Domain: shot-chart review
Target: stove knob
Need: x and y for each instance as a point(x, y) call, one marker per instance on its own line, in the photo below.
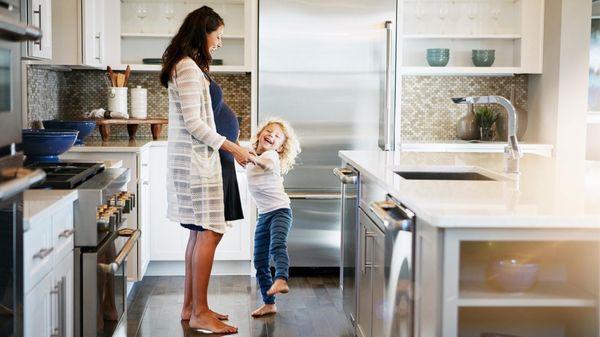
point(103, 225)
point(128, 206)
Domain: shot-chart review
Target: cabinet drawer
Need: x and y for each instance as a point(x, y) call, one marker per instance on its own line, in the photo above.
point(37, 252)
point(62, 232)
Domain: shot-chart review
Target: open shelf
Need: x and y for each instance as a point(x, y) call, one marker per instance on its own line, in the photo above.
point(481, 71)
point(461, 37)
point(168, 36)
point(544, 294)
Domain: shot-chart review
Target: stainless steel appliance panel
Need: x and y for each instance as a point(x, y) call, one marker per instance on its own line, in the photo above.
point(349, 180)
point(322, 67)
point(314, 240)
point(103, 288)
point(397, 305)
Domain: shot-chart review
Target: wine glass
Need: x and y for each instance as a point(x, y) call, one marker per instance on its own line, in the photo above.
point(141, 11)
point(443, 14)
point(169, 12)
point(472, 14)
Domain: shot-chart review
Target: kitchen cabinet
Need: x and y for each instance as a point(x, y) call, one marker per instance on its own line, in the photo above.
point(38, 309)
point(48, 269)
point(514, 29)
point(371, 280)
point(94, 36)
point(169, 239)
point(82, 31)
point(39, 14)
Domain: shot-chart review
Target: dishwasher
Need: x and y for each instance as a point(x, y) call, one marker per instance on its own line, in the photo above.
point(386, 304)
point(349, 179)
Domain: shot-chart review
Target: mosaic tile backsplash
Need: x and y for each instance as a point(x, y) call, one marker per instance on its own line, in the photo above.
point(428, 114)
point(69, 94)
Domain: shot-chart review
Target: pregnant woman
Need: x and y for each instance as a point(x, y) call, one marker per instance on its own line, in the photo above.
point(195, 183)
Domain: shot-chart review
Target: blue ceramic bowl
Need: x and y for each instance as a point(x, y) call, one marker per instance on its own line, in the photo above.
point(43, 145)
point(85, 128)
point(483, 57)
point(438, 57)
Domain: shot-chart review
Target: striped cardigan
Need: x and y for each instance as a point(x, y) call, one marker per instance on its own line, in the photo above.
point(194, 181)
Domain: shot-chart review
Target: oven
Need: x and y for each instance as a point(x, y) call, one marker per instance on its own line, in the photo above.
point(12, 32)
point(104, 301)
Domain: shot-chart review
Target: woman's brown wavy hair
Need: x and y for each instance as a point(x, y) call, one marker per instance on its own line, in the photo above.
point(190, 41)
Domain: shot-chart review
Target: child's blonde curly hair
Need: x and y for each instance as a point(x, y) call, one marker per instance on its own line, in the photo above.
point(291, 145)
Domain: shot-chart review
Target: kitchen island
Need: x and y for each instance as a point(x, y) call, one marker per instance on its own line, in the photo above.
point(549, 215)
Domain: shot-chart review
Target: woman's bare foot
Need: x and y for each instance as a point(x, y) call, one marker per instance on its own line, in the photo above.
point(280, 286)
point(208, 323)
point(265, 309)
point(186, 313)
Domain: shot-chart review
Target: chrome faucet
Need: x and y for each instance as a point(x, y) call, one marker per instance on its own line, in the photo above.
point(512, 150)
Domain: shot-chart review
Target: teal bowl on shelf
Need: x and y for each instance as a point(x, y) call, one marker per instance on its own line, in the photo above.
point(438, 57)
point(483, 57)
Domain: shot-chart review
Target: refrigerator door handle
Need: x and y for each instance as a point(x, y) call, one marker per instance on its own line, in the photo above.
point(346, 175)
point(313, 196)
point(388, 118)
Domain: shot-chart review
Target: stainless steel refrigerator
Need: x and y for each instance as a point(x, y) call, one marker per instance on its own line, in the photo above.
point(328, 68)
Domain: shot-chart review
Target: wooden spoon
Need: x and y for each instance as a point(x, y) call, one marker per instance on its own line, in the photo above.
point(127, 74)
point(120, 80)
point(111, 74)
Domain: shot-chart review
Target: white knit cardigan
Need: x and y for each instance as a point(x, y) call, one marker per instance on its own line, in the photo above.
point(194, 181)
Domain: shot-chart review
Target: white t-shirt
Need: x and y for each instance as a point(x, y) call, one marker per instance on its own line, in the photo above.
point(266, 186)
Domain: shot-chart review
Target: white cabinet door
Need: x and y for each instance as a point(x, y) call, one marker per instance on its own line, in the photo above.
point(168, 239)
point(63, 301)
point(93, 32)
point(235, 244)
point(144, 225)
point(38, 308)
point(41, 17)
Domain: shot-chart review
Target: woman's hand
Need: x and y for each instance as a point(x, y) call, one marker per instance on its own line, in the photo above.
point(242, 155)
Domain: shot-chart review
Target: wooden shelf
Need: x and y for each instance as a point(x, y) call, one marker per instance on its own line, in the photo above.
point(157, 68)
point(461, 37)
point(476, 71)
point(168, 36)
point(477, 294)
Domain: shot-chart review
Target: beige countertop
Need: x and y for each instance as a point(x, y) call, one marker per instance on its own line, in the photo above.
point(549, 193)
point(38, 203)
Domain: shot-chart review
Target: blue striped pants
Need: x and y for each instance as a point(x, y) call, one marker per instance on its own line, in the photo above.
point(270, 239)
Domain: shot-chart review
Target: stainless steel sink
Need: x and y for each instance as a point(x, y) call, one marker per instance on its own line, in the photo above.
point(438, 175)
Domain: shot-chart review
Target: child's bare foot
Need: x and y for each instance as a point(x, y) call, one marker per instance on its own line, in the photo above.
point(280, 286)
point(206, 322)
point(265, 309)
point(186, 313)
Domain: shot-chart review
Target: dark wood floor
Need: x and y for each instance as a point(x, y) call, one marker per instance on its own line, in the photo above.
point(313, 308)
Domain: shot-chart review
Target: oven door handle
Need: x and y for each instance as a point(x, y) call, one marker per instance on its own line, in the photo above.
point(16, 31)
point(133, 237)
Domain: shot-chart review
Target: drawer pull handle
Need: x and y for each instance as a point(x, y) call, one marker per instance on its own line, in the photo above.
point(66, 233)
point(43, 253)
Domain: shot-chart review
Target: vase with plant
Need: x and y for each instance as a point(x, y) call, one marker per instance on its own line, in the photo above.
point(486, 117)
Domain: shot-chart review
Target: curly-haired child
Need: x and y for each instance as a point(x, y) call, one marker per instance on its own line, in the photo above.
point(276, 146)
